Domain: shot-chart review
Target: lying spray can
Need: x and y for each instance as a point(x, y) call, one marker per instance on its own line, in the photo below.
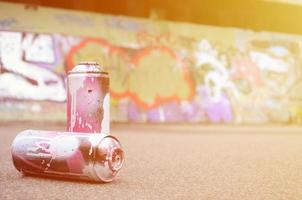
point(93, 157)
point(88, 99)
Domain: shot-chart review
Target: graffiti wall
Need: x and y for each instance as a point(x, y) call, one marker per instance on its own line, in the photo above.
point(159, 71)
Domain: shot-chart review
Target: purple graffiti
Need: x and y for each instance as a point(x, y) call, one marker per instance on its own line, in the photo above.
point(133, 112)
point(216, 111)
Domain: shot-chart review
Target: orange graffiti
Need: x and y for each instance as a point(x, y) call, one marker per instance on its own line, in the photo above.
point(73, 55)
point(143, 75)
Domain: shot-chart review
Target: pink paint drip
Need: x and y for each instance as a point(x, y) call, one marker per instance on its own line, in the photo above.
point(86, 104)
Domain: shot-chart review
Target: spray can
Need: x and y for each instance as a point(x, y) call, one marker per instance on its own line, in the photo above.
point(88, 99)
point(81, 156)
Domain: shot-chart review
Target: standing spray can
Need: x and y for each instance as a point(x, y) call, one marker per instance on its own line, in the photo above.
point(81, 156)
point(88, 99)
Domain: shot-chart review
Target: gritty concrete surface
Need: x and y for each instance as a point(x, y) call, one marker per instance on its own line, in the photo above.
point(177, 162)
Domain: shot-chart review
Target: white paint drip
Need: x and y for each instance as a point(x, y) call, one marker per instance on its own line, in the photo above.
point(88, 125)
point(63, 146)
point(106, 115)
point(80, 120)
point(74, 86)
point(94, 139)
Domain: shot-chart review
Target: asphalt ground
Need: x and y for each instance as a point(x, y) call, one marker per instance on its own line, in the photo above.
point(176, 162)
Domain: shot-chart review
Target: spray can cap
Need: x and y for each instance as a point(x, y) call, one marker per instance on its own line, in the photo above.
point(87, 67)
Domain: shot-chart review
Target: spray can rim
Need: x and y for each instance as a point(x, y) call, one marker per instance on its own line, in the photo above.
point(88, 67)
point(110, 149)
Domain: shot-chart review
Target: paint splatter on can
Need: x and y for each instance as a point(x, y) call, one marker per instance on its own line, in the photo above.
point(88, 99)
point(93, 157)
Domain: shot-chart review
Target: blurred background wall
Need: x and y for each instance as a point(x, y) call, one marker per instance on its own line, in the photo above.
point(160, 70)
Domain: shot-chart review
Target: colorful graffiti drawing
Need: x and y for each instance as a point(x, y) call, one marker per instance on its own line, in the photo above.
point(154, 76)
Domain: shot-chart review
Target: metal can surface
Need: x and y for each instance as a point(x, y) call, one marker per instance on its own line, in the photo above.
point(93, 157)
point(88, 99)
